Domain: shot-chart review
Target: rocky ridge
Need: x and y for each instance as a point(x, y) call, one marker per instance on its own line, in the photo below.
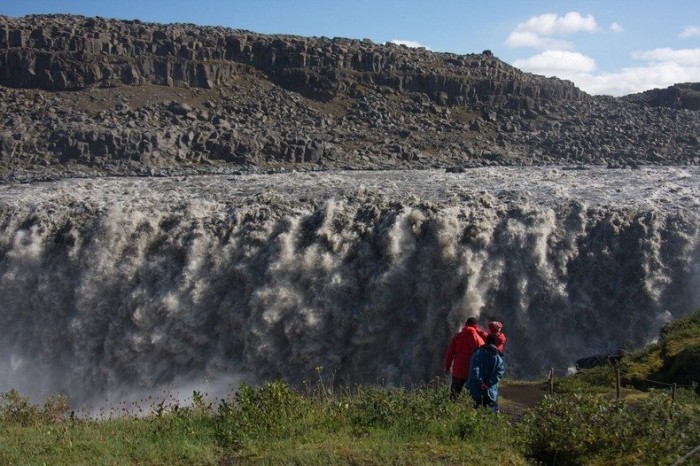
point(93, 96)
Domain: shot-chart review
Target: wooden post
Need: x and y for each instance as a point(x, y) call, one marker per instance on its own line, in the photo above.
point(617, 383)
point(673, 398)
point(551, 381)
point(673, 393)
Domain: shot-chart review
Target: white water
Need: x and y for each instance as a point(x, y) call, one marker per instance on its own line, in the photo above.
point(111, 288)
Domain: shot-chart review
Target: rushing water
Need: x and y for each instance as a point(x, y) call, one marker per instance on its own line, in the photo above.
point(113, 287)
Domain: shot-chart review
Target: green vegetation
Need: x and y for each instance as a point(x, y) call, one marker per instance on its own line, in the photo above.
point(583, 422)
point(591, 430)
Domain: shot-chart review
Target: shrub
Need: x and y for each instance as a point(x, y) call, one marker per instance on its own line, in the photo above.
point(563, 429)
point(18, 410)
point(578, 429)
point(55, 408)
point(594, 380)
point(409, 411)
point(664, 428)
point(271, 411)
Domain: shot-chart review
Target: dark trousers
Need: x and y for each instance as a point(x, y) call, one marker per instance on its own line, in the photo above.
point(486, 402)
point(456, 387)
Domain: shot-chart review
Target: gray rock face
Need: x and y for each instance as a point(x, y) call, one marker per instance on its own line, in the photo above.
point(681, 96)
point(90, 95)
point(68, 52)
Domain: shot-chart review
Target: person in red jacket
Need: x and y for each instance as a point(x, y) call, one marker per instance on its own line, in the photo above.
point(459, 354)
point(496, 328)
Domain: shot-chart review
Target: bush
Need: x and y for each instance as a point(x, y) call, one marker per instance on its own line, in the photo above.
point(578, 429)
point(598, 379)
point(408, 410)
point(18, 410)
point(271, 411)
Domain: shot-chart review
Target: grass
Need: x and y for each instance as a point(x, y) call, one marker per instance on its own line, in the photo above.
point(272, 424)
point(121, 441)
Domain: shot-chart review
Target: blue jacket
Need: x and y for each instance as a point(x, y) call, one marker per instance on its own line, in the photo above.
point(486, 367)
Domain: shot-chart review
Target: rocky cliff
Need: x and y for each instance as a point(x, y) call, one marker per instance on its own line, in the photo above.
point(92, 95)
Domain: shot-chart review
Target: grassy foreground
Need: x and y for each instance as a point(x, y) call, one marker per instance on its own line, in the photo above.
point(583, 422)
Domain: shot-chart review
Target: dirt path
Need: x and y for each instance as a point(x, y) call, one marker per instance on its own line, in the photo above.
point(517, 397)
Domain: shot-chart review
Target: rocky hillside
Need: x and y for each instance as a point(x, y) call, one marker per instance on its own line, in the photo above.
point(91, 96)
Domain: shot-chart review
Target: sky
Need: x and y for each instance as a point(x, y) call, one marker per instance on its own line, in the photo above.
point(610, 47)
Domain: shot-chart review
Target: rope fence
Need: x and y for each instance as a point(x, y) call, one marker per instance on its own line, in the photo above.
point(618, 386)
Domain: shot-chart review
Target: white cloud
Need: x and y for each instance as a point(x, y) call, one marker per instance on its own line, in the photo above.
point(541, 31)
point(658, 68)
point(689, 57)
point(661, 68)
point(550, 24)
point(409, 43)
point(690, 31)
point(636, 79)
point(615, 27)
point(518, 39)
point(557, 62)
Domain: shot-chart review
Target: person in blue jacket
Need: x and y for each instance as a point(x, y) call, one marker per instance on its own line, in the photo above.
point(487, 369)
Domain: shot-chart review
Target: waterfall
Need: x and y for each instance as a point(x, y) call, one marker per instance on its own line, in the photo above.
point(110, 287)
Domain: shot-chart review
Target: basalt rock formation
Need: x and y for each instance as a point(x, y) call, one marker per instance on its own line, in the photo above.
point(680, 96)
point(91, 96)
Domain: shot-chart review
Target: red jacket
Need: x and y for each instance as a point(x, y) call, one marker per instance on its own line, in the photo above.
point(460, 351)
point(501, 341)
point(500, 338)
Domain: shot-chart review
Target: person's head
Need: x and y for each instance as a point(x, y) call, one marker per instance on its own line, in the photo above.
point(491, 339)
point(472, 322)
point(495, 326)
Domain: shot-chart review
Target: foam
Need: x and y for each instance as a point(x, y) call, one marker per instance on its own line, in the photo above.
point(120, 287)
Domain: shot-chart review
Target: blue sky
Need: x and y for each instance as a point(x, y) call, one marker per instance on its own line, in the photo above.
point(611, 47)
